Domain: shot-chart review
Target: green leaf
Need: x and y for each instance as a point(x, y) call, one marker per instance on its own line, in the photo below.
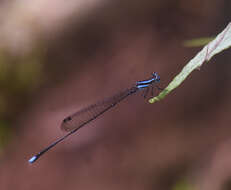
point(182, 185)
point(220, 43)
point(198, 42)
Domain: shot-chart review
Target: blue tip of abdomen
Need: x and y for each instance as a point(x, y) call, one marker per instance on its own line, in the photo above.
point(33, 159)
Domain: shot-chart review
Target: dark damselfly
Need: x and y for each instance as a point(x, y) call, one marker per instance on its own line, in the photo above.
point(80, 118)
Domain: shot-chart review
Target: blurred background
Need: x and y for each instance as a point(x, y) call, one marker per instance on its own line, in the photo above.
point(58, 56)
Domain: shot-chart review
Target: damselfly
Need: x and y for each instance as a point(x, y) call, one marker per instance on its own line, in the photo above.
point(80, 118)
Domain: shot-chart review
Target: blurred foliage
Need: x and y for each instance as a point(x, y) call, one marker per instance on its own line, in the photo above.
point(20, 75)
point(197, 42)
point(5, 133)
point(182, 185)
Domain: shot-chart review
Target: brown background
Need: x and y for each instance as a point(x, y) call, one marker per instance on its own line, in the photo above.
point(58, 56)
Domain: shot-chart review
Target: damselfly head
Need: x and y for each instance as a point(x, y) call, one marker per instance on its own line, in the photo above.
point(156, 76)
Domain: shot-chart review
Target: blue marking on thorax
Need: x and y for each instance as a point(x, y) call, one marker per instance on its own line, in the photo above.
point(139, 86)
point(149, 81)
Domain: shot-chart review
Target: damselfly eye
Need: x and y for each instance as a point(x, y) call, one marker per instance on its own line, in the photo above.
point(156, 76)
